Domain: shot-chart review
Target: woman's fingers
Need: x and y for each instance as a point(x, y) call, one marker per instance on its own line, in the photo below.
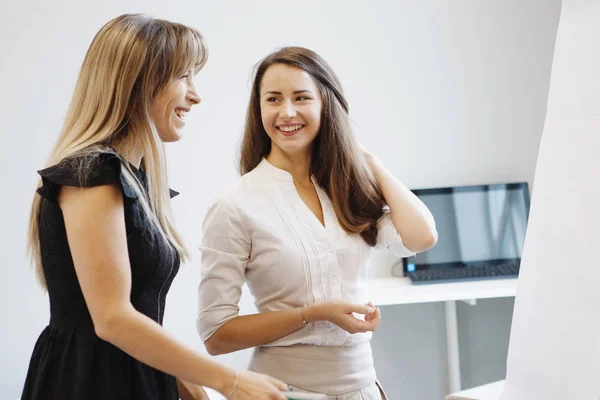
point(360, 309)
point(252, 385)
point(355, 325)
point(277, 383)
point(342, 314)
point(375, 310)
point(374, 318)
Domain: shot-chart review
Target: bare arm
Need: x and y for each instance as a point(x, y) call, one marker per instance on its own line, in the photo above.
point(248, 331)
point(95, 225)
point(411, 218)
point(253, 330)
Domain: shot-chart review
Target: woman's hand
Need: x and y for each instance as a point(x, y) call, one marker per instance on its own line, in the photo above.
point(375, 317)
point(254, 386)
point(341, 313)
point(190, 391)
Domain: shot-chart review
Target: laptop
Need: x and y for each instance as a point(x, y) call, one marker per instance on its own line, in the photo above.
point(481, 232)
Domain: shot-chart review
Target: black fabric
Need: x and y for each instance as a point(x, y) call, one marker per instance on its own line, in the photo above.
point(69, 361)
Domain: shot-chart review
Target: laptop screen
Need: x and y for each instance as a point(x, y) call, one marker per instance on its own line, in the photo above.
point(475, 223)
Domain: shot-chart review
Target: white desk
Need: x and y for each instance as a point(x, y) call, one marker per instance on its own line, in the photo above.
point(491, 391)
point(395, 290)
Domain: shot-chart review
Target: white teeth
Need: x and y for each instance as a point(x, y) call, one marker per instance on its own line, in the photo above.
point(180, 113)
point(290, 128)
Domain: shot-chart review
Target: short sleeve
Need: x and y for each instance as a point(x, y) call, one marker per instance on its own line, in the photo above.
point(388, 237)
point(225, 252)
point(84, 171)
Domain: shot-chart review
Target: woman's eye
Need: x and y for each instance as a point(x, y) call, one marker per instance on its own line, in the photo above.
point(302, 98)
point(272, 99)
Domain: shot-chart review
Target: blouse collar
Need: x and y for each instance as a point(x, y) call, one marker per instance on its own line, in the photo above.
point(275, 172)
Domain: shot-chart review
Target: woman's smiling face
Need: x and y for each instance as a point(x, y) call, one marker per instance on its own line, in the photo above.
point(290, 106)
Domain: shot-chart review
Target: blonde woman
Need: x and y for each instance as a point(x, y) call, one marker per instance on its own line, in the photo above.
point(102, 234)
point(298, 228)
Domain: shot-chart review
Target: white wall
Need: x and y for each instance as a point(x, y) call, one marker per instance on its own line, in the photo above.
point(443, 92)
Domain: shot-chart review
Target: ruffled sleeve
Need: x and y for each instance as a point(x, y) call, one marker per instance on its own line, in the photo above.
point(85, 171)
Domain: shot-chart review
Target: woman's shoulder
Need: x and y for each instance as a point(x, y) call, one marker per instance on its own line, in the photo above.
point(242, 194)
point(234, 195)
point(87, 164)
point(93, 166)
point(250, 183)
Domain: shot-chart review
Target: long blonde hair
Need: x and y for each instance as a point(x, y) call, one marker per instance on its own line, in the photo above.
point(337, 163)
point(131, 59)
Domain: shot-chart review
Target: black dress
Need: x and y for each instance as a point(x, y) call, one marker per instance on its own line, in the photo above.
point(69, 361)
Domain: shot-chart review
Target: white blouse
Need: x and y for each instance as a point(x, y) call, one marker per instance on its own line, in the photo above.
point(261, 232)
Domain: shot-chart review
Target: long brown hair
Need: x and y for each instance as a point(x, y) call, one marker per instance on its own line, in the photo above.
point(131, 59)
point(338, 163)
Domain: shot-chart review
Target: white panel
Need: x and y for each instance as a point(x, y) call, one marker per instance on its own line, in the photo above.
point(555, 341)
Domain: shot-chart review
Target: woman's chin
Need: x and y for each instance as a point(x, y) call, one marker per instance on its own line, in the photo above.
point(294, 148)
point(171, 137)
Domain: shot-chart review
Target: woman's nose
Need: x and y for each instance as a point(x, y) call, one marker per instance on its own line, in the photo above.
point(192, 94)
point(288, 111)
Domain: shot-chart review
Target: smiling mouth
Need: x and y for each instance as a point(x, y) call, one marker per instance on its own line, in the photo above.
point(181, 113)
point(289, 129)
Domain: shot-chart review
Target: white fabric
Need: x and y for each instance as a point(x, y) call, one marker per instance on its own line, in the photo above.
point(262, 233)
point(334, 371)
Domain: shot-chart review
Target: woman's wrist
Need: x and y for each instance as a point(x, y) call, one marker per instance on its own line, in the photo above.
point(313, 313)
point(234, 387)
point(227, 382)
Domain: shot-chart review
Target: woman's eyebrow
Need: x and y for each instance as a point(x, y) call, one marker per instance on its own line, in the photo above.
point(294, 92)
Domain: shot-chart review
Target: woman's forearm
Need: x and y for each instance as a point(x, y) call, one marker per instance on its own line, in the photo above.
point(411, 218)
point(148, 342)
point(248, 331)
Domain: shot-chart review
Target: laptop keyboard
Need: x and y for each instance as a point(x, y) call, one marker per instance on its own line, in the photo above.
point(470, 272)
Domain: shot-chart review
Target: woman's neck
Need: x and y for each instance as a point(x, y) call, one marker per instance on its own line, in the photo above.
point(130, 150)
point(298, 164)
